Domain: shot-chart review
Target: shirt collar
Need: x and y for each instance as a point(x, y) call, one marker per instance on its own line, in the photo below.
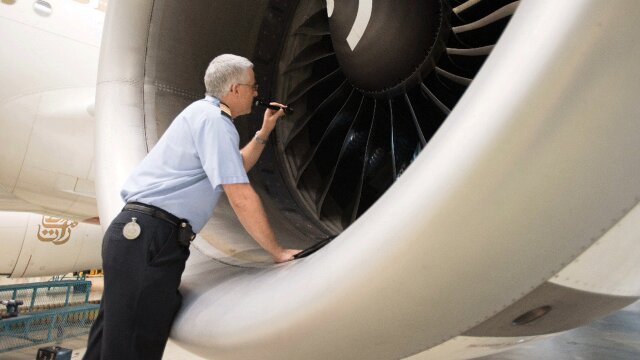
point(212, 99)
point(224, 109)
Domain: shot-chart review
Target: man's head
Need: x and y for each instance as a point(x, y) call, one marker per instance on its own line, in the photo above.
point(230, 78)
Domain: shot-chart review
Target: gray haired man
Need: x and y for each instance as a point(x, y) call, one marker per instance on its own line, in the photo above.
point(169, 197)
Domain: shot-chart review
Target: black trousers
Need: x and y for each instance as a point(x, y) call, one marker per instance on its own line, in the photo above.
point(141, 297)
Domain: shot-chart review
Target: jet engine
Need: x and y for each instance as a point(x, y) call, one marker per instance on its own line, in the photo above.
point(477, 160)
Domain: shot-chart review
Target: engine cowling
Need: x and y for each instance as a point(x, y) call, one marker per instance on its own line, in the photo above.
point(528, 170)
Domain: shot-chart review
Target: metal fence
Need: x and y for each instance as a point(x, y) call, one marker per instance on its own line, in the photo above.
point(46, 326)
point(41, 296)
point(51, 311)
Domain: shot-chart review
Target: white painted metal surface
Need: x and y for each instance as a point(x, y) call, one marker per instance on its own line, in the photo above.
point(609, 266)
point(39, 245)
point(47, 77)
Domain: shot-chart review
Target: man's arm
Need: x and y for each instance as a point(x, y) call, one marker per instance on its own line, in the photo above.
point(248, 207)
point(252, 151)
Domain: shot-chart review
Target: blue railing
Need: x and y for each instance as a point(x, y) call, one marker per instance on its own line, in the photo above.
point(40, 295)
point(50, 311)
point(46, 326)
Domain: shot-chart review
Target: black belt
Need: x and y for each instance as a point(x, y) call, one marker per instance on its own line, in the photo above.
point(185, 233)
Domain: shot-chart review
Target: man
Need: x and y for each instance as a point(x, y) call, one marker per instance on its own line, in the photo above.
point(170, 196)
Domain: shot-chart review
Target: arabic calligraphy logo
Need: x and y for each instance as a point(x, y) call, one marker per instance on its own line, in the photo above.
point(55, 229)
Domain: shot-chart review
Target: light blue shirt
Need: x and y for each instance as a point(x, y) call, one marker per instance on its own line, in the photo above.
point(184, 172)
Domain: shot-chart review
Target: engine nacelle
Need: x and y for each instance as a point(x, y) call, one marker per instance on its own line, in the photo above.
point(484, 212)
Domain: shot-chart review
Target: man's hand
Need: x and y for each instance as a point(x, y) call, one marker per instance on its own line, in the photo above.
point(270, 119)
point(251, 152)
point(285, 255)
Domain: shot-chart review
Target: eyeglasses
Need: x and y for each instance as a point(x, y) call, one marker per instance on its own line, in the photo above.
point(254, 86)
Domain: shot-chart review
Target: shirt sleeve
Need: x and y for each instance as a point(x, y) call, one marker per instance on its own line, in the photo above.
point(217, 143)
